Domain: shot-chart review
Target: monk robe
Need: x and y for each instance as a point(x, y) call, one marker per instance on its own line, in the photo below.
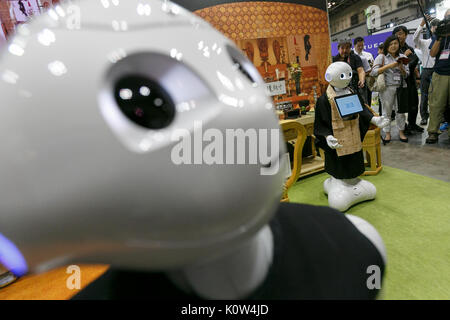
point(340, 167)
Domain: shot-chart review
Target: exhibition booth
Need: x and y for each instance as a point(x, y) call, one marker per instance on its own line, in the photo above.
point(390, 217)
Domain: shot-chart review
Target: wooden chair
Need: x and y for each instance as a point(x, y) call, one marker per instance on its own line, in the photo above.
point(372, 149)
point(292, 130)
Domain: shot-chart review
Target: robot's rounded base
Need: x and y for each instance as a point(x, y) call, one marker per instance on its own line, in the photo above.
point(342, 194)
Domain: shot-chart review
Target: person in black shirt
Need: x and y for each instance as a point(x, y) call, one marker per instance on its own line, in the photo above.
point(359, 76)
point(318, 253)
point(413, 98)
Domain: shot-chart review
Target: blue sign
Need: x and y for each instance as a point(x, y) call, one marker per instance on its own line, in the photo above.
point(371, 43)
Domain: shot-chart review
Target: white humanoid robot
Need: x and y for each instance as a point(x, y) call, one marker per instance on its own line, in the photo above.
point(344, 188)
point(91, 168)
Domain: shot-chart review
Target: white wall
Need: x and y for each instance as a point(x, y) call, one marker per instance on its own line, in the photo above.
point(441, 8)
point(411, 25)
point(389, 10)
point(361, 29)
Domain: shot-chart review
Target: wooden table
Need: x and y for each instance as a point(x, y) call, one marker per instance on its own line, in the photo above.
point(295, 99)
point(51, 285)
point(313, 163)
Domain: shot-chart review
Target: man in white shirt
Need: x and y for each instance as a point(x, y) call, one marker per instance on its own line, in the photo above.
point(428, 66)
point(367, 60)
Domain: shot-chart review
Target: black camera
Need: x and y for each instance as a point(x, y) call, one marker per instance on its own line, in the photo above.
point(144, 102)
point(443, 28)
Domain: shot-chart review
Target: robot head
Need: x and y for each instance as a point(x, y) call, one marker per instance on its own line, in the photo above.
point(134, 135)
point(339, 74)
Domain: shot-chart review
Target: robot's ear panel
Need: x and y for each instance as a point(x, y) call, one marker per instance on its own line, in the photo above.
point(328, 77)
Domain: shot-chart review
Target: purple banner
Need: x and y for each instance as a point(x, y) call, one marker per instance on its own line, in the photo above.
point(371, 43)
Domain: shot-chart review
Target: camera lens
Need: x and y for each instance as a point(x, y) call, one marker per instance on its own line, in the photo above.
point(144, 102)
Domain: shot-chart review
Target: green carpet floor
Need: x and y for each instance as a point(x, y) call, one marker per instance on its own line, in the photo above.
point(412, 214)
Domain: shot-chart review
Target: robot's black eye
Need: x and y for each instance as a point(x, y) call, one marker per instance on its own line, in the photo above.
point(342, 75)
point(350, 74)
point(144, 102)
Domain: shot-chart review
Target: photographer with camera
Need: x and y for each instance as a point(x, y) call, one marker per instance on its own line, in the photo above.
point(428, 67)
point(440, 84)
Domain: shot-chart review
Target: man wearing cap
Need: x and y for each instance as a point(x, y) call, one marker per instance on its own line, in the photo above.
point(359, 76)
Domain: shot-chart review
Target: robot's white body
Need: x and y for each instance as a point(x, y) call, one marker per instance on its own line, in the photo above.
point(83, 182)
point(343, 193)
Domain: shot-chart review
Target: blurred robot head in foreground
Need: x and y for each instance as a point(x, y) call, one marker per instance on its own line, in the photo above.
point(134, 135)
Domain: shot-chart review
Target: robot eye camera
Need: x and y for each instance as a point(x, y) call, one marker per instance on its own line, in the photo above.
point(144, 102)
point(110, 152)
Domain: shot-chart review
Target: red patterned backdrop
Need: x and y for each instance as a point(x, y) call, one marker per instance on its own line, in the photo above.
point(285, 23)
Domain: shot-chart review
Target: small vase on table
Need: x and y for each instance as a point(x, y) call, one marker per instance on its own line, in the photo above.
point(297, 85)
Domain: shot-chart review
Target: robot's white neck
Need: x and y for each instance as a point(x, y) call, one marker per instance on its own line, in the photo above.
point(341, 91)
point(234, 275)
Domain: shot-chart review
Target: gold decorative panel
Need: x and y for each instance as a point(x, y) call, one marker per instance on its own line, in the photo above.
point(282, 24)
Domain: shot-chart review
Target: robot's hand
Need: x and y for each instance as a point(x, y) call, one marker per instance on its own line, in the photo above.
point(333, 143)
point(380, 122)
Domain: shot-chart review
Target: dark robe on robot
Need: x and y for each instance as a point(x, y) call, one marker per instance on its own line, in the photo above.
point(345, 167)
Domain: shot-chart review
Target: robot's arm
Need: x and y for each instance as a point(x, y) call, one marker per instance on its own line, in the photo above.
point(367, 114)
point(371, 116)
point(333, 143)
point(380, 122)
point(322, 121)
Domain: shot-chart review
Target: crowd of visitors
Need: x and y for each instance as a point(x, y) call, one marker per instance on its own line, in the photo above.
point(404, 74)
